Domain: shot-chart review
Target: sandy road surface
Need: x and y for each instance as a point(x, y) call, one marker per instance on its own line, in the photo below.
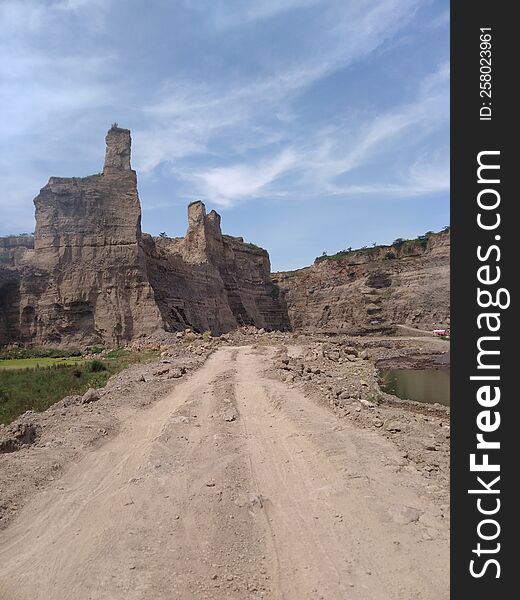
point(233, 486)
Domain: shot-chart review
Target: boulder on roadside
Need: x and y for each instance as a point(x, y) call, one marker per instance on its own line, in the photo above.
point(393, 425)
point(69, 401)
point(367, 403)
point(91, 395)
point(176, 372)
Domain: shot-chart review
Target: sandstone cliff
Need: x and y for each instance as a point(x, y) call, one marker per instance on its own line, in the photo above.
point(86, 279)
point(12, 252)
point(91, 276)
point(212, 281)
point(372, 289)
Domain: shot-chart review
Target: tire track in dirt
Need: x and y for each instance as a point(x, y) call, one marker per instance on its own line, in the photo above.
point(334, 501)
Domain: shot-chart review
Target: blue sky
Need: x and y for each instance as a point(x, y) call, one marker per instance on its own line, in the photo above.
point(310, 125)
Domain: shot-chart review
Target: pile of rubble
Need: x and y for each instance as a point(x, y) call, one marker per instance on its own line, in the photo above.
point(346, 378)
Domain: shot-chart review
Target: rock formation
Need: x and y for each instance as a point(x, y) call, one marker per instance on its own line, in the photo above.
point(212, 281)
point(91, 276)
point(372, 289)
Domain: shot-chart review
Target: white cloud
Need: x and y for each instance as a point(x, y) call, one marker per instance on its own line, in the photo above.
point(389, 132)
point(182, 121)
point(29, 102)
point(428, 174)
point(192, 115)
point(39, 84)
point(431, 173)
point(46, 97)
point(227, 185)
point(76, 5)
point(19, 18)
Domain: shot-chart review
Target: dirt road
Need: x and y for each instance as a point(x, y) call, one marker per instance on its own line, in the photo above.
point(233, 486)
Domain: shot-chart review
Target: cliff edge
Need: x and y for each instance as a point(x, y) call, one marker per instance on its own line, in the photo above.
point(372, 289)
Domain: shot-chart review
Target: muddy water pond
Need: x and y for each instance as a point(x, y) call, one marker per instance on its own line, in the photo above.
point(421, 385)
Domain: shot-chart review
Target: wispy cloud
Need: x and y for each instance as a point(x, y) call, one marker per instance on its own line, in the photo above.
point(377, 134)
point(227, 185)
point(39, 83)
point(187, 116)
point(417, 181)
point(18, 18)
point(49, 87)
point(323, 158)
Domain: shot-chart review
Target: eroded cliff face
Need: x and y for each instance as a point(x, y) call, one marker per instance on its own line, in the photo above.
point(211, 281)
point(86, 280)
point(373, 289)
point(13, 249)
point(91, 276)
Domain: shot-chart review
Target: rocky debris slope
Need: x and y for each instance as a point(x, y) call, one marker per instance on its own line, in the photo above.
point(372, 289)
point(90, 276)
point(343, 374)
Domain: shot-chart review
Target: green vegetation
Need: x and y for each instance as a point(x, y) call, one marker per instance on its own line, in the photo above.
point(39, 385)
point(20, 235)
point(96, 366)
point(116, 353)
point(421, 240)
point(252, 246)
point(94, 350)
point(344, 253)
point(38, 353)
point(36, 363)
point(400, 244)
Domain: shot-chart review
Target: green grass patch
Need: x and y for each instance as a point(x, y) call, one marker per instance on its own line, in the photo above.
point(36, 363)
point(13, 353)
point(37, 388)
point(117, 353)
point(96, 366)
